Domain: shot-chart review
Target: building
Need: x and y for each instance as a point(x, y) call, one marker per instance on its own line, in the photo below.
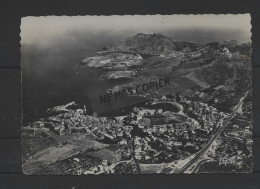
point(122, 142)
point(32, 131)
point(109, 136)
point(202, 131)
point(38, 124)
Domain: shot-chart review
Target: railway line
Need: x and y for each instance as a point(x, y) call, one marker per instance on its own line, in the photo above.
point(206, 147)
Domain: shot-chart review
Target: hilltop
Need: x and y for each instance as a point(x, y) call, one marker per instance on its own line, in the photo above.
point(146, 44)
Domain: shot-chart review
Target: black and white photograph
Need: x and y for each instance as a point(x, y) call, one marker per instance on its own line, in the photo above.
point(136, 94)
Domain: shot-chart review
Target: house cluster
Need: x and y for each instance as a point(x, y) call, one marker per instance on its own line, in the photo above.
point(76, 121)
point(114, 132)
point(191, 134)
point(103, 168)
point(165, 137)
point(239, 129)
point(142, 148)
point(158, 133)
point(207, 116)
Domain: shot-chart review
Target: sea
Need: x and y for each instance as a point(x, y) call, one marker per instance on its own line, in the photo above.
point(56, 78)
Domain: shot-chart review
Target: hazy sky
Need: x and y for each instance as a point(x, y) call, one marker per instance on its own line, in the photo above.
point(197, 28)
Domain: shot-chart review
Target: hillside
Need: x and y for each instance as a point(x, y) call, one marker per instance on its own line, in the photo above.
point(190, 66)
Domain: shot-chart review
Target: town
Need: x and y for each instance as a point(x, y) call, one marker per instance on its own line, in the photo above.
point(163, 130)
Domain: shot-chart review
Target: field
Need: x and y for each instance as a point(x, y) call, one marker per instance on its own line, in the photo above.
point(69, 145)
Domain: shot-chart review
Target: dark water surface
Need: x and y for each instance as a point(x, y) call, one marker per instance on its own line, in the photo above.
point(55, 79)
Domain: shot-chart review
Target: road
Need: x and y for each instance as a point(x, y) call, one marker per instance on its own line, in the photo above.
point(196, 168)
point(206, 147)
